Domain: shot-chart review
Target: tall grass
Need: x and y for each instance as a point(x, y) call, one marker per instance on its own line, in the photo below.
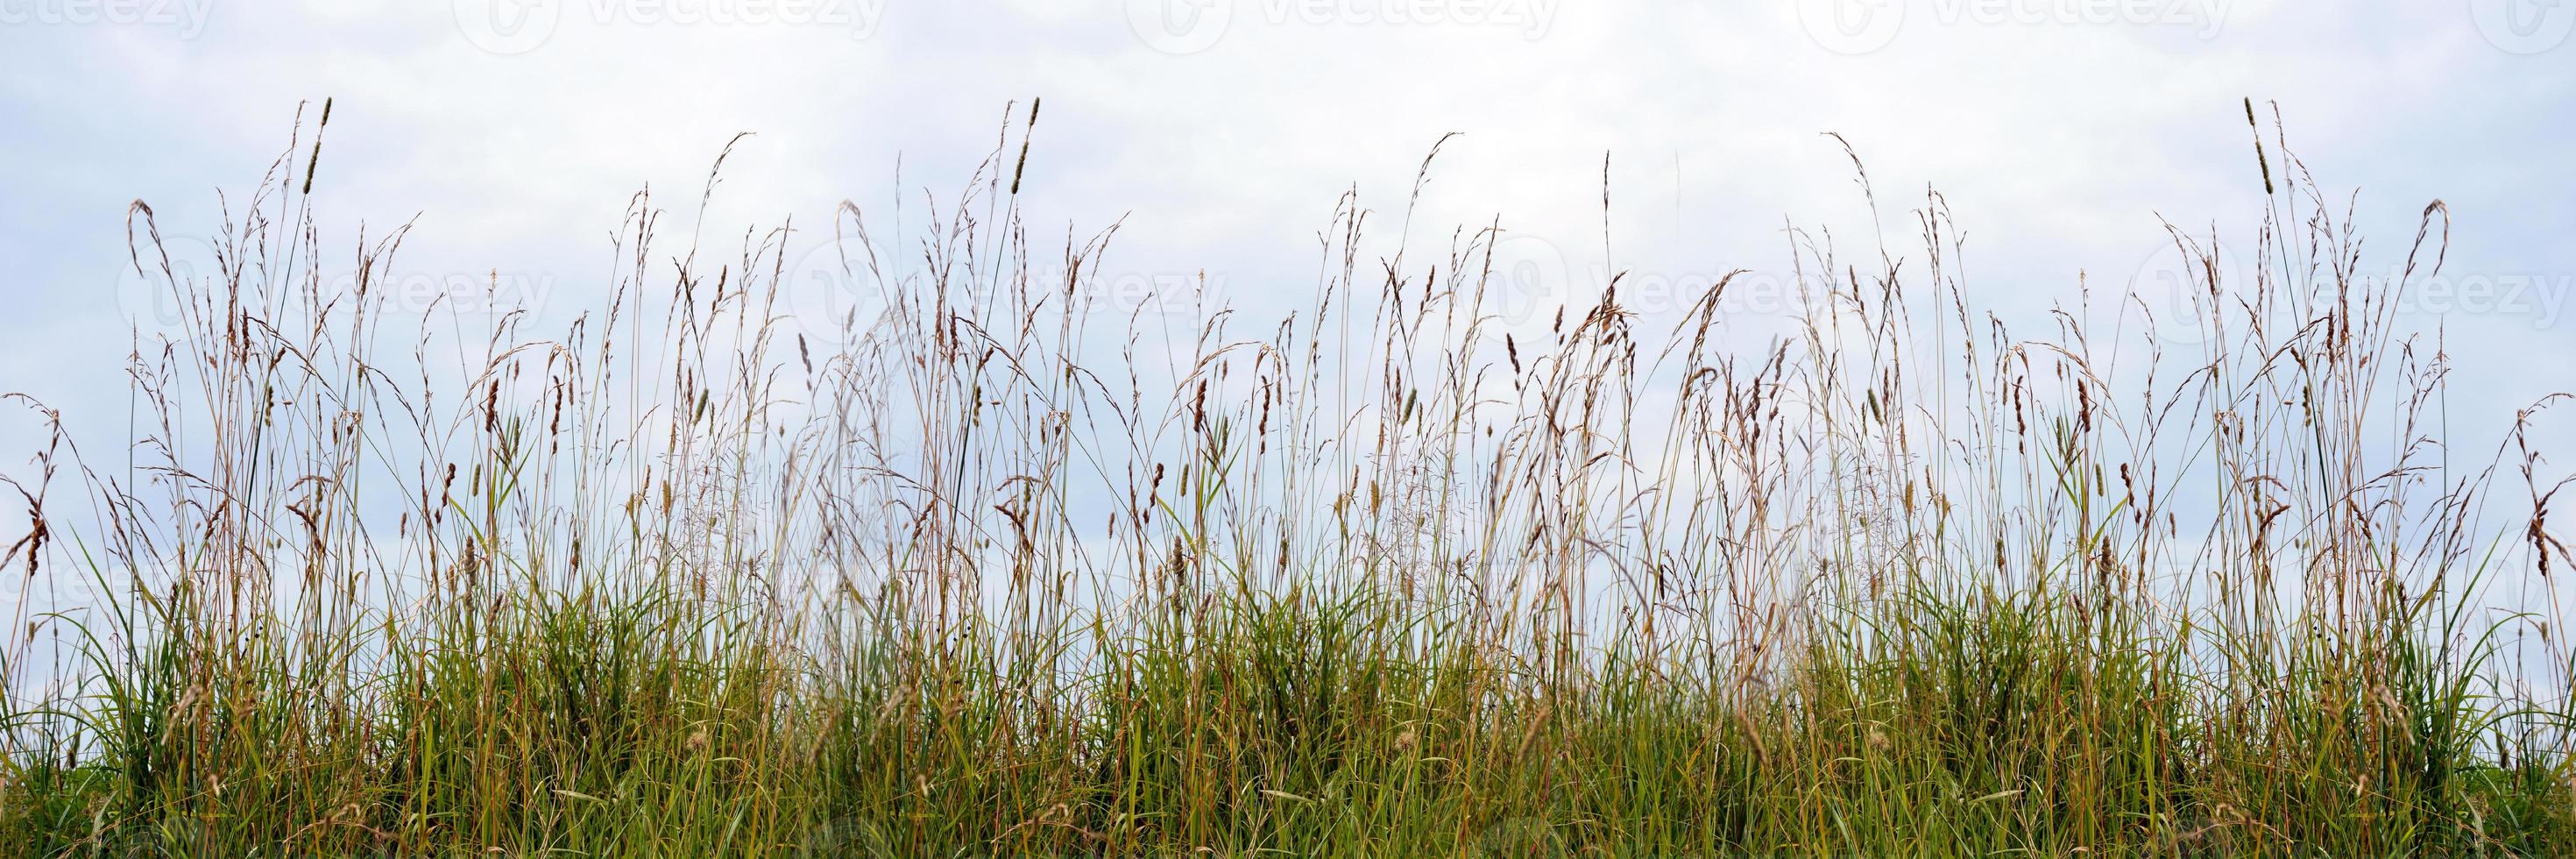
point(1391, 575)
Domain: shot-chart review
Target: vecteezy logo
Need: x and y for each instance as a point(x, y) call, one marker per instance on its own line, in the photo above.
point(1180, 26)
point(1530, 277)
point(154, 280)
point(2172, 287)
point(1521, 836)
point(507, 27)
point(188, 17)
point(840, 836)
point(2523, 26)
point(834, 291)
point(1851, 26)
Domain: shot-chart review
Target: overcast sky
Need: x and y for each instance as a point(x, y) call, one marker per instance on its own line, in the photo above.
point(514, 131)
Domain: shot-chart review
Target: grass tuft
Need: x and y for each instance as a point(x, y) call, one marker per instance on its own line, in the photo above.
point(1393, 575)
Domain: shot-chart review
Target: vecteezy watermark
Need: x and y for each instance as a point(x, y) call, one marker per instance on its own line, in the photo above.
point(2172, 288)
point(1527, 276)
point(1862, 26)
point(1851, 26)
point(2524, 26)
point(151, 285)
point(1191, 26)
point(839, 290)
point(1184, 295)
point(186, 17)
point(2539, 298)
point(1529, 279)
point(518, 26)
point(163, 290)
point(1521, 836)
point(836, 291)
point(840, 836)
point(487, 294)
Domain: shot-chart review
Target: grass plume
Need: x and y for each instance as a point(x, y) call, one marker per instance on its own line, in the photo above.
point(1390, 575)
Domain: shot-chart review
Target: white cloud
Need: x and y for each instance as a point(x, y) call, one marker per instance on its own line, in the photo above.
point(2057, 142)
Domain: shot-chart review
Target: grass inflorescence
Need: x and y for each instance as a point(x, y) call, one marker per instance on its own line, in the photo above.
point(1389, 576)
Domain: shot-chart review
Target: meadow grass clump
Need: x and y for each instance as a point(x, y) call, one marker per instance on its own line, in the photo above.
point(1391, 575)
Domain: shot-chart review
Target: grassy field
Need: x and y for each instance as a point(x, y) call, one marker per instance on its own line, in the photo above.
point(988, 575)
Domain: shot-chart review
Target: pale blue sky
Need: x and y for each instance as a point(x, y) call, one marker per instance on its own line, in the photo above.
point(2059, 130)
